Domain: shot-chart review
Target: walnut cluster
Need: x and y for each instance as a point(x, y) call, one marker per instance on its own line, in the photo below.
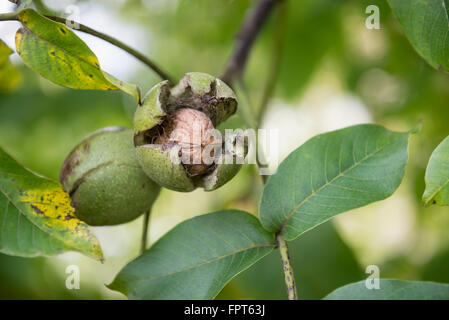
point(194, 133)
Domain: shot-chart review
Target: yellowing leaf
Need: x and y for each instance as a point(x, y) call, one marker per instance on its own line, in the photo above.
point(58, 54)
point(52, 205)
point(48, 222)
point(5, 51)
point(9, 76)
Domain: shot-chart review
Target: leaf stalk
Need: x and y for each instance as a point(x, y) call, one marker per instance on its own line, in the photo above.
point(287, 268)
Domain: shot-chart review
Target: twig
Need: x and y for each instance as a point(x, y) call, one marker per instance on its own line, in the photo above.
point(83, 28)
point(146, 219)
point(245, 39)
point(287, 268)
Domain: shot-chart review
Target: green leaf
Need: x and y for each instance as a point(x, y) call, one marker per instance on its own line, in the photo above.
point(333, 173)
point(9, 76)
point(56, 53)
point(5, 51)
point(36, 217)
point(437, 176)
point(426, 25)
point(197, 258)
point(392, 290)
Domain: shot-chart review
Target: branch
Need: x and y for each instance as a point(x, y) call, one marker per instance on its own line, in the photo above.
point(13, 17)
point(250, 28)
point(287, 268)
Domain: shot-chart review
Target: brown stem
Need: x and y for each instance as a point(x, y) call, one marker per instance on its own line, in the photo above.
point(249, 30)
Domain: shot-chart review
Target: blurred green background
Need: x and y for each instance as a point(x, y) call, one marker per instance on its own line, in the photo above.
point(334, 73)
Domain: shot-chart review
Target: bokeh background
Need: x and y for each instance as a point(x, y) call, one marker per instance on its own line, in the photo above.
point(334, 73)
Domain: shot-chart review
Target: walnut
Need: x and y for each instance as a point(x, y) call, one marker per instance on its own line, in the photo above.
point(175, 138)
point(193, 131)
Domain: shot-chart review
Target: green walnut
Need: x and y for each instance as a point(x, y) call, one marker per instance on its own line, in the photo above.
point(104, 179)
point(175, 138)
